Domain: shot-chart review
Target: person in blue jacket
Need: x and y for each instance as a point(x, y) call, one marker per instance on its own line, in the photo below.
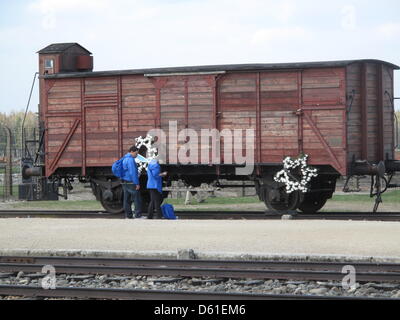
point(154, 185)
point(130, 184)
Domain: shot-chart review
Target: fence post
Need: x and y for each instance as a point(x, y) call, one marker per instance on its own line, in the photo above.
point(8, 169)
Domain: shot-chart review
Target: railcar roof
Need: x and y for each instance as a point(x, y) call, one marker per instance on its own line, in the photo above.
point(221, 68)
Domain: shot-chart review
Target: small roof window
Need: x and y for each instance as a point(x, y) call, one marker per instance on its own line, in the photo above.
point(48, 63)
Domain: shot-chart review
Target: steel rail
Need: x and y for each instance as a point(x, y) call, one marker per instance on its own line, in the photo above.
point(96, 214)
point(195, 271)
point(390, 216)
point(200, 263)
point(138, 294)
point(213, 215)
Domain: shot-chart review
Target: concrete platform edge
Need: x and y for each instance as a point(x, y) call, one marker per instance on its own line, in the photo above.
point(198, 255)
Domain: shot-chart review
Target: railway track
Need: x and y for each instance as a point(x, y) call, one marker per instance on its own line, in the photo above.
point(126, 294)
point(96, 214)
point(323, 271)
point(265, 270)
point(212, 215)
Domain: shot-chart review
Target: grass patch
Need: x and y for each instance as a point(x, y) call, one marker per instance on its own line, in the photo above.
point(211, 201)
point(58, 205)
point(387, 197)
point(14, 170)
point(14, 188)
point(390, 197)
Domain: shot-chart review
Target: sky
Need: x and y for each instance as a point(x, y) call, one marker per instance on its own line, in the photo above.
point(130, 34)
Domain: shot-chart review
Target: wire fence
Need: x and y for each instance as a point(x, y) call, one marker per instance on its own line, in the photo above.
point(15, 144)
point(17, 141)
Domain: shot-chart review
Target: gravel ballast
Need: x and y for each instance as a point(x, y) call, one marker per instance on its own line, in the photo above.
point(317, 288)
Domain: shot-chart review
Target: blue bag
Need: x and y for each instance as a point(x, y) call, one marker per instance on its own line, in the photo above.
point(117, 168)
point(168, 211)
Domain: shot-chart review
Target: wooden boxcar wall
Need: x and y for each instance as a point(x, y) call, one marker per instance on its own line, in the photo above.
point(371, 116)
point(92, 121)
point(298, 112)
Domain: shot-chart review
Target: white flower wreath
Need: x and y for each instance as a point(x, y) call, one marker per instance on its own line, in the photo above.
point(290, 164)
point(152, 151)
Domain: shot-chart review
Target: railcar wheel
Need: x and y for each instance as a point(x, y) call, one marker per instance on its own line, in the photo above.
point(312, 203)
point(112, 201)
point(278, 200)
point(114, 207)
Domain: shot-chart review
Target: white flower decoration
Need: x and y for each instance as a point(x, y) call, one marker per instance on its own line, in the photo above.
point(152, 151)
point(290, 164)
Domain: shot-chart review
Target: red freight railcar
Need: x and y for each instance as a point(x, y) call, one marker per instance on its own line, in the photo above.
point(340, 114)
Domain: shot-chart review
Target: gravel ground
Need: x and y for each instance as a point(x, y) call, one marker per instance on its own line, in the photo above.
point(382, 290)
point(236, 237)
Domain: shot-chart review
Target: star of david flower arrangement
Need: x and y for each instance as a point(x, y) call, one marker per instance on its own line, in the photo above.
point(296, 175)
point(152, 151)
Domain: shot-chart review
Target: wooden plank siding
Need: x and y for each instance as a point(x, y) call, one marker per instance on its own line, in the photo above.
point(138, 108)
point(279, 122)
point(291, 111)
point(372, 110)
point(354, 117)
point(63, 101)
point(236, 107)
point(324, 127)
point(101, 121)
point(281, 95)
point(367, 123)
point(388, 114)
